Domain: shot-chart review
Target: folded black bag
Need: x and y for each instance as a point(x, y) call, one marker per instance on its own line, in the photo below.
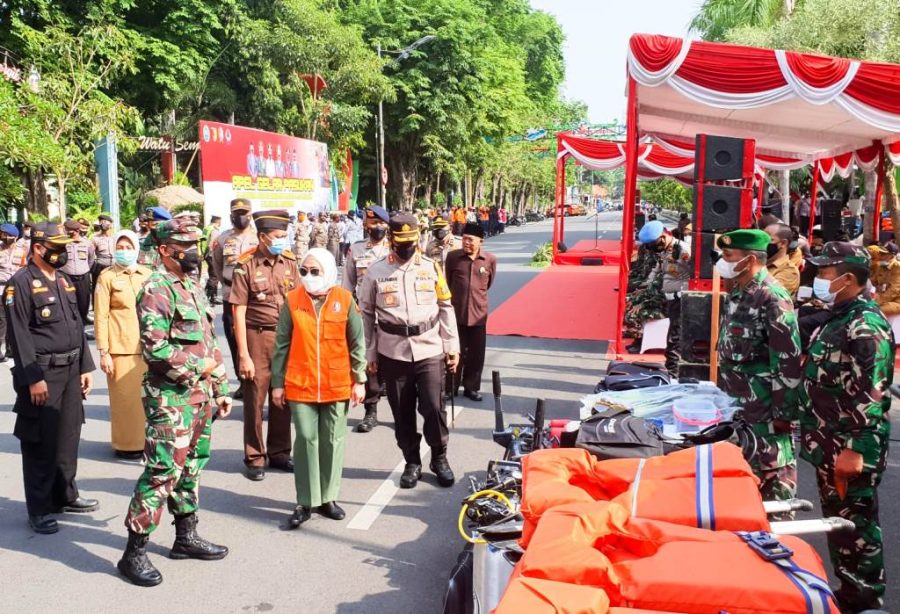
point(615, 433)
point(622, 375)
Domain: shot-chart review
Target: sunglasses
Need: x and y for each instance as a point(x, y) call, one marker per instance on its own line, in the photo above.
point(314, 272)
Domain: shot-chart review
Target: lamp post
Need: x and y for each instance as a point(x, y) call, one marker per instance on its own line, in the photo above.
point(379, 149)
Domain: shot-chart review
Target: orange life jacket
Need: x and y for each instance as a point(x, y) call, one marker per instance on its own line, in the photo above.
point(318, 366)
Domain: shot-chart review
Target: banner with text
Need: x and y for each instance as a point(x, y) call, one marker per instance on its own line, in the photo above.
point(272, 171)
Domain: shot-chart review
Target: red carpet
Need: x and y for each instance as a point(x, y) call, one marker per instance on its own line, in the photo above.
point(608, 251)
point(562, 302)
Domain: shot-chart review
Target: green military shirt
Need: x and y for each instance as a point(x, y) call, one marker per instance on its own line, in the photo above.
point(759, 362)
point(148, 256)
point(845, 401)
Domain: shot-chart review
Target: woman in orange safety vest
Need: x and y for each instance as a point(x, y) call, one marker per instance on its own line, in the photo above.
point(318, 368)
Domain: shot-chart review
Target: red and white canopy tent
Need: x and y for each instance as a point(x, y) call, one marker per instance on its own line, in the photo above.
point(799, 108)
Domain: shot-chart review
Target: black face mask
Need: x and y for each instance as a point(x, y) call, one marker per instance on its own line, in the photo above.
point(240, 221)
point(772, 249)
point(404, 251)
point(187, 259)
point(56, 258)
point(657, 247)
point(440, 233)
point(377, 233)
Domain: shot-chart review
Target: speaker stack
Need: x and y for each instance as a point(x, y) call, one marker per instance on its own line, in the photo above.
point(723, 201)
point(831, 219)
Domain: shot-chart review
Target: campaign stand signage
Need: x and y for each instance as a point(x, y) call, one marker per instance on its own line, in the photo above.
point(272, 171)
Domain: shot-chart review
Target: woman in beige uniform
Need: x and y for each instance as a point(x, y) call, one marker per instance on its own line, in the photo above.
point(118, 340)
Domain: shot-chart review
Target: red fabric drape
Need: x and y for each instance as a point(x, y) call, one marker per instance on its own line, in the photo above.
point(732, 69)
point(656, 52)
point(816, 70)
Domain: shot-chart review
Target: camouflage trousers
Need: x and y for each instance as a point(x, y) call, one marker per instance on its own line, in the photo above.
point(857, 556)
point(776, 467)
point(175, 451)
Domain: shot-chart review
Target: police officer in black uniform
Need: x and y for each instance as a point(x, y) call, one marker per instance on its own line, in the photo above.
point(51, 378)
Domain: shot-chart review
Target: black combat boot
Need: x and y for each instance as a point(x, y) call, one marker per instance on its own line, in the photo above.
point(370, 420)
point(189, 545)
point(441, 468)
point(135, 565)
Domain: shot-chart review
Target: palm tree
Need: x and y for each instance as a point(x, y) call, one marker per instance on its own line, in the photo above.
point(717, 17)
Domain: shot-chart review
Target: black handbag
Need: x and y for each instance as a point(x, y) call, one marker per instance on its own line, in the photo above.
point(621, 375)
point(615, 433)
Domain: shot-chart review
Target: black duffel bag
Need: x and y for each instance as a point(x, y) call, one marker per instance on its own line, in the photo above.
point(621, 375)
point(615, 433)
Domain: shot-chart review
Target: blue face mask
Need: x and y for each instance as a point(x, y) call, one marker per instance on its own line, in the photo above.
point(126, 257)
point(822, 290)
point(278, 246)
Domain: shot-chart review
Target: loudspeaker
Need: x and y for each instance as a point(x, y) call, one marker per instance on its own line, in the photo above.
point(831, 219)
point(639, 220)
point(723, 158)
point(723, 208)
point(696, 315)
point(702, 254)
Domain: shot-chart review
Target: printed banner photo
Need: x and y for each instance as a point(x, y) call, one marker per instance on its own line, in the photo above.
point(272, 171)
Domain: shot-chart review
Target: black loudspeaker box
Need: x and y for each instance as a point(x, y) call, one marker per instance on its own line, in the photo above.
point(724, 208)
point(696, 315)
point(723, 157)
point(831, 219)
point(703, 253)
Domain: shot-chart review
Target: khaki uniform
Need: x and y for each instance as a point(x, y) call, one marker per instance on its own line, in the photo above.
point(888, 288)
point(261, 282)
point(437, 249)
point(302, 235)
point(319, 235)
point(333, 241)
point(78, 268)
point(363, 254)
point(410, 326)
point(786, 274)
point(226, 250)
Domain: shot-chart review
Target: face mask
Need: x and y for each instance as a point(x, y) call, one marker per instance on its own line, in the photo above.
point(440, 233)
point(822, 290)
point(187, 259)
point(771, 250)
point(240, 221)
point(9, 240)
point(313, 284)
point(727, 269)
point(105, 225)
point(278, 246)
point(404, 251)
point(376, 233)
point(56, 258)
point(126, 257)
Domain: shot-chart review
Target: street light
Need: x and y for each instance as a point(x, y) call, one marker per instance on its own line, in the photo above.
point(379, 149)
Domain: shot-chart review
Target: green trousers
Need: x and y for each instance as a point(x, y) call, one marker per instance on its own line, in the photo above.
point(319, 450)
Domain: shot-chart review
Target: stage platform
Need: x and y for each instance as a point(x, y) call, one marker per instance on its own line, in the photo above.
point(603, 252)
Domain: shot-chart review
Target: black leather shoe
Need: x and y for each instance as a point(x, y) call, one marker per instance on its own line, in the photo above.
point(189, 545)
point(129, 455)
point(369, 421)
point(135, 565)
point(257, 474)
point(411, 474)
point(287, 465)
point(239, 393)
point(43, 524)
point(332, 510)
point(472, 394)
point(441, 468)
point(301, 514)
point(634, 348)
point(81, 506)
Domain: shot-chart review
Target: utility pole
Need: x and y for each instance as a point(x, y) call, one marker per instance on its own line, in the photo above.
point(379, 150)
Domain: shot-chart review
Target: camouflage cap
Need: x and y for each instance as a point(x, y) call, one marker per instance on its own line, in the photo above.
point(745, 239)
point(177, 231)
point(840, 252)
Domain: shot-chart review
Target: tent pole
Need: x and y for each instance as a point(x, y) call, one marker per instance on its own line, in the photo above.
point(813, 197)
point(879, 191)
point(631, 164)
point(559, 201)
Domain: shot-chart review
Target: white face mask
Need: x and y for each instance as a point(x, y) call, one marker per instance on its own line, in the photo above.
point(727, 269)
point(822, 290)
point(313, 284)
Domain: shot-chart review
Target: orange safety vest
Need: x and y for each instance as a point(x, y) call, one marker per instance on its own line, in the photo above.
point(318, 366)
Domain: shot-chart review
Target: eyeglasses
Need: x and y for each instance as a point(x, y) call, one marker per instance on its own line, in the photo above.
point(314, 272)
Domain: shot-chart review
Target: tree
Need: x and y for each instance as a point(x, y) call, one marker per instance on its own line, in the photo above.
point(71, 105)
point(717, 17)
point(666, 193)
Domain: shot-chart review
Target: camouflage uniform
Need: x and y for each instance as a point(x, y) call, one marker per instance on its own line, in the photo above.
point(644, 304)
point(759, 366)
point(844, 400)
point(642, 268)
point(177, 336)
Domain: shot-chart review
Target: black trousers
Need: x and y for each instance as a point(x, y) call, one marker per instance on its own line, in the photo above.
point(49, 437)
point(415, 386)
point(82, 285)
point(373, 391)
point(472, 344)
point(228, 325)
point(3, 332)
point(95, 275)
point(673, 339)
point(212, 282)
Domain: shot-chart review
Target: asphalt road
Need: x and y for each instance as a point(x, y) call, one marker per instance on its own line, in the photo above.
point(394, 551)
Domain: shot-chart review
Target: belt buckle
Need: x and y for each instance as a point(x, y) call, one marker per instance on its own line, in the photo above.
point(766, 546)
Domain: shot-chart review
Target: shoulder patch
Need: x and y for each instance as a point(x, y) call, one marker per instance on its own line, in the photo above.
point(289, 254)
point(9, 298)
point(247, 255)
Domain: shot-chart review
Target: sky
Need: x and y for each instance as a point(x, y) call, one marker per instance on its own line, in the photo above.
point(597, 33)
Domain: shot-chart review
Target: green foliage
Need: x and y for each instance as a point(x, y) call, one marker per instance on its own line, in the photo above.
point(718, 17)
point(195, 207)
point(543, 256)
point(666, 193)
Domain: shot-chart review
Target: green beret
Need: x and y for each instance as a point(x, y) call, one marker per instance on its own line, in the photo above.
point(748, 240)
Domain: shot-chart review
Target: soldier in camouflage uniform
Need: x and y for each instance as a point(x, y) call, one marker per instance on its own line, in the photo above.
point(645, 299)
point(844, 419)
point(148, 256)
point(185, 374)
point(759, 358)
